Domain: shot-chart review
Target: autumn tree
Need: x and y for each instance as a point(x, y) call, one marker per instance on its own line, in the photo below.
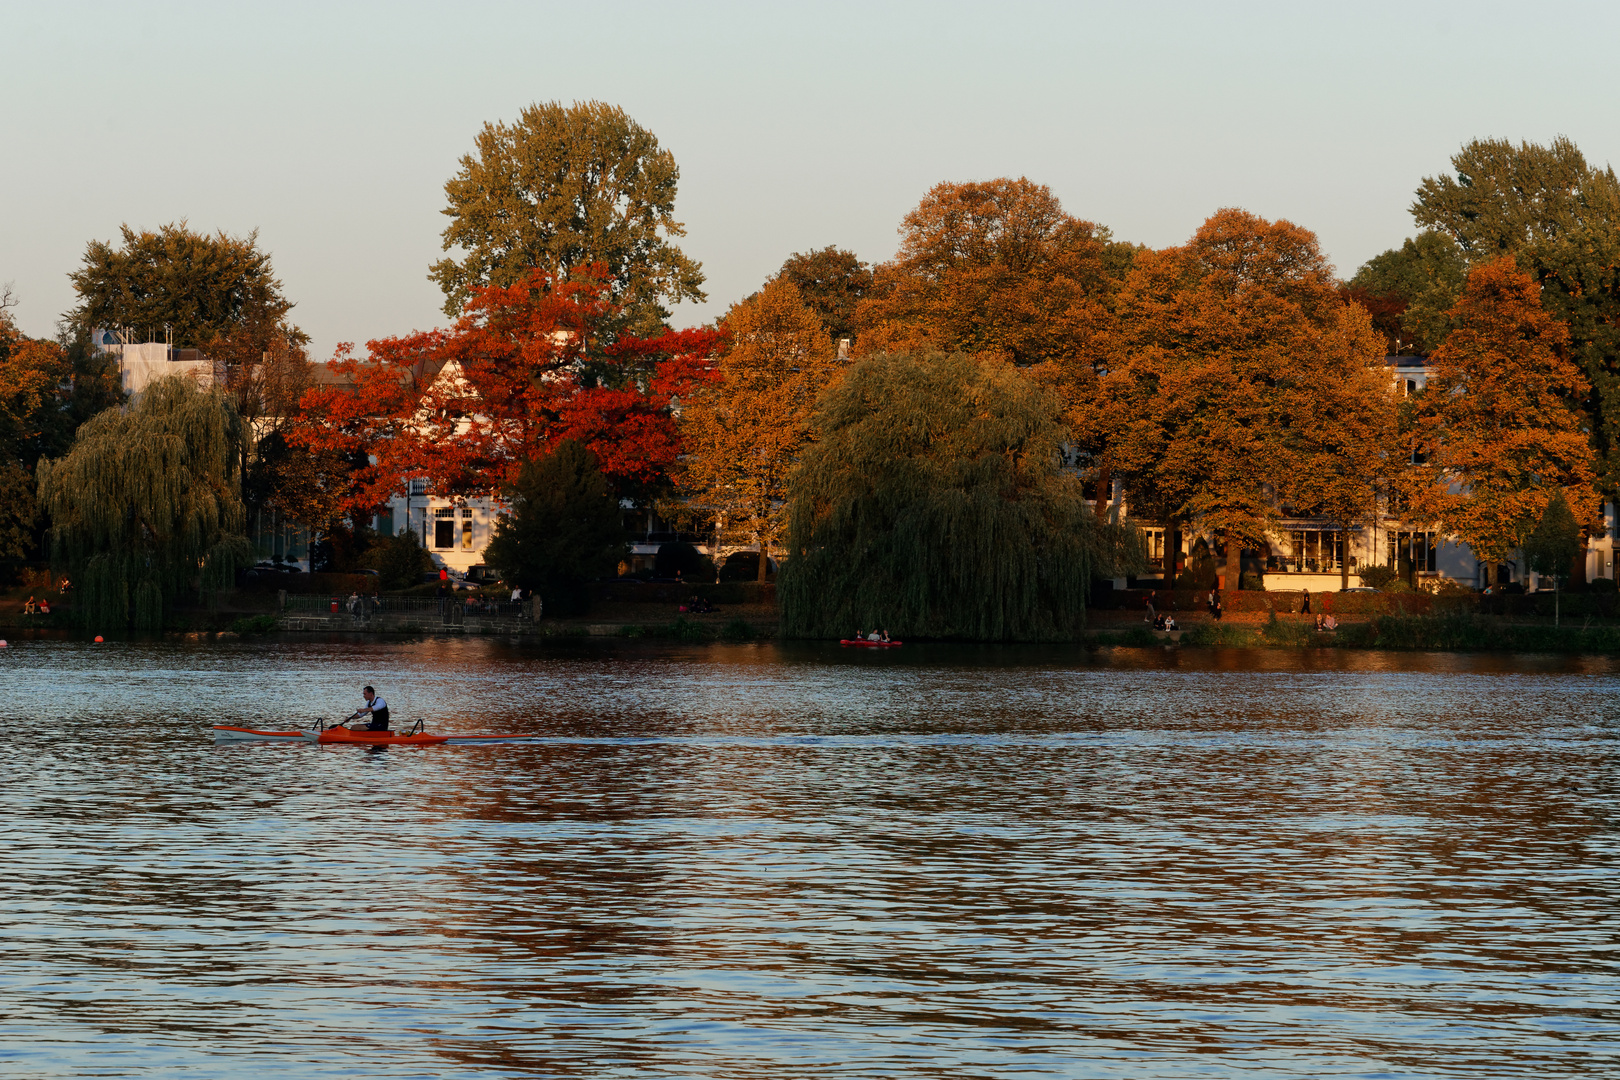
point(1559, 217)
point(996, 268)
point(832, 282)
point(1237, 382)
point(744, 431)
point(562, 189)
point(47, 388)
point(933, 502)
point(148, 504)
point(524, 368)
point(1498, 427)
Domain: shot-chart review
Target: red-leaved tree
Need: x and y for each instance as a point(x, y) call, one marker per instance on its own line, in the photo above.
point(523, 368)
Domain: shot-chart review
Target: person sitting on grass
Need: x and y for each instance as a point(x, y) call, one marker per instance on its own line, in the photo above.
point(28, 606)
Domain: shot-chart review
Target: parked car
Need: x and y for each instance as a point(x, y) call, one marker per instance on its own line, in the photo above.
point(482, 575)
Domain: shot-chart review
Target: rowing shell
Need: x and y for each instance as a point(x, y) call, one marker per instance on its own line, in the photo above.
point(859, 644)
point(224, 733)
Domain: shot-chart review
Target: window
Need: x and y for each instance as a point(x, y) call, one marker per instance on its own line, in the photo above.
point(444, 527)
point(1414, 549)
point(385, 522)
point(466, 530)
point(1311, 551)
point(1155, 547)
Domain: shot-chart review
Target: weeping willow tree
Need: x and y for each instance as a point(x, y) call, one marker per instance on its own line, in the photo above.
point(933, 503)
point(147, 504)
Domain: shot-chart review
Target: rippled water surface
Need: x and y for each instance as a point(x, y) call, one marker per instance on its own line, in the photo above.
point(758, 861)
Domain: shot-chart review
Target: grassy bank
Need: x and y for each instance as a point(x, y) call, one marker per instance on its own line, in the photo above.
point(1440, 633)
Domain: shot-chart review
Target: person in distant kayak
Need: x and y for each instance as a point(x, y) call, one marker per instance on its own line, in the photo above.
point(375, 707)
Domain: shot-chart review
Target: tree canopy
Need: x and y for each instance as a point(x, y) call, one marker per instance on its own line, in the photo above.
point(46, 390)
point(933, 503)
point(562, 188)
point(832, 282)
point(196, 286)
point(565, 528)
point(524, 368)
point(147, 502)
point(995, 267)
point(744, 430)
point(1559, 217)
point(1497, 430)
point(1410, 289)
point(1238, 381)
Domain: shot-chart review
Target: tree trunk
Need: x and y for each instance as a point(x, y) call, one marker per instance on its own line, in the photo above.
point(1577, 571)
point(1172, 552)
point(764, 558)
point(1234, 562)
point(1105, 491)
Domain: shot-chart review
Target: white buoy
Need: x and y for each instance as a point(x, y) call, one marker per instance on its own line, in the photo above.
point(3, 644)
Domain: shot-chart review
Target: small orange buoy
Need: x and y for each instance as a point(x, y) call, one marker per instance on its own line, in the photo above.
point(98, 639)
point(3, 644)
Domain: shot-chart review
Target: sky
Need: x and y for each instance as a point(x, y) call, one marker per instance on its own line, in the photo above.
point(331, 128)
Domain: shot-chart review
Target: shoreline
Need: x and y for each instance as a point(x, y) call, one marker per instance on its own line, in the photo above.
point(1384, 633)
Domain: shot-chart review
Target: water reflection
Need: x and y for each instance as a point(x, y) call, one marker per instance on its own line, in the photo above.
point(755, 860)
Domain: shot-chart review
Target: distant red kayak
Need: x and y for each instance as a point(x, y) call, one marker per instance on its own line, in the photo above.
point(226, 733)
point(862, 644)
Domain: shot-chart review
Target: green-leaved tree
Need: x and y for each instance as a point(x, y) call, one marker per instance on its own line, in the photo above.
point(934, 503)
point(148, 504)
point(565, 528)
point(193, 286)
point(562, 188)
point(1554, 545)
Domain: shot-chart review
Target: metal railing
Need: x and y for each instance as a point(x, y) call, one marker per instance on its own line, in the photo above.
point(392, 607)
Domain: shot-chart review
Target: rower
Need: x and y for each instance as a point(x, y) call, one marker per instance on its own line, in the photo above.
point(376, 707)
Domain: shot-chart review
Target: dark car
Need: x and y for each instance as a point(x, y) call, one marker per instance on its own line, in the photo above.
point(483, 575)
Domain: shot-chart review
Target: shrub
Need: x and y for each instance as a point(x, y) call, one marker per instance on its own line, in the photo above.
point(254, 624)
point(1378, 577)
point(1601, 585)
point(400, 560)
point(737, 630)
point(1139, 637)
point(1220, 633)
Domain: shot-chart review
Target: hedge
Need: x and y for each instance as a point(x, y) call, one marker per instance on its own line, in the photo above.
point(299, 584)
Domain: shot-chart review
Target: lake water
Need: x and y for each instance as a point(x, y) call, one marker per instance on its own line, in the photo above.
point(782, 861)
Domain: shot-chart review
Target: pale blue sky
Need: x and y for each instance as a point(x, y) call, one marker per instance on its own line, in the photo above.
point(332, 127)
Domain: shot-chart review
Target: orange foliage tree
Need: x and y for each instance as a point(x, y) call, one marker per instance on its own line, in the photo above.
point(992, 267)
point(525, 367)
point(744, 430)
point(1236, 377)
point(1498, 428)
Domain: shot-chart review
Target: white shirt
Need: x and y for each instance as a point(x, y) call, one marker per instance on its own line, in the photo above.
point(376, 704)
